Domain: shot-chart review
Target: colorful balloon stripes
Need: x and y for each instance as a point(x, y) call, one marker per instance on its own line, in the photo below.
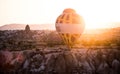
point(70, 26)
point(70, 39)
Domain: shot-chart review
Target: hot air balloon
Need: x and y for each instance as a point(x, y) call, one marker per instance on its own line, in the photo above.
point(70, 26)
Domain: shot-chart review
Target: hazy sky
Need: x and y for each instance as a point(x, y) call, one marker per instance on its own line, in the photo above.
point(94, 12)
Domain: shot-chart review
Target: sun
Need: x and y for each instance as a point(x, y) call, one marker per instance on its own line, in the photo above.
point(92, 23)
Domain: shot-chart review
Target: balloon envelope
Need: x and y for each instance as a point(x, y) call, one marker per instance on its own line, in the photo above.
point(70, 26)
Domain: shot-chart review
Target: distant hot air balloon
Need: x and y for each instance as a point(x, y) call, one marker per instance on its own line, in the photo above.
point(70, 26)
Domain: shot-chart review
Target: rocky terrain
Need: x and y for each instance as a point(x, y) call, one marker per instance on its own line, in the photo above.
point(43, 52)
point(59, 60)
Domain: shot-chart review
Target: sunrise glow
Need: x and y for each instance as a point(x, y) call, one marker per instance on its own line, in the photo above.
point(95, 13)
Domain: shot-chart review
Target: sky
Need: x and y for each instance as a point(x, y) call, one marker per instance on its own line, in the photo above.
point(96, 13)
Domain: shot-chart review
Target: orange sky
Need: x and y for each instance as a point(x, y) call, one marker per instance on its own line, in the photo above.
point(95, 12)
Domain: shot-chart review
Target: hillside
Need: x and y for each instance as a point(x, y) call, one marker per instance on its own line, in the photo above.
point(22, 26)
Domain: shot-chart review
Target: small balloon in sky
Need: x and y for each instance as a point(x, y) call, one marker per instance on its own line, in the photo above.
point(70, 26)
